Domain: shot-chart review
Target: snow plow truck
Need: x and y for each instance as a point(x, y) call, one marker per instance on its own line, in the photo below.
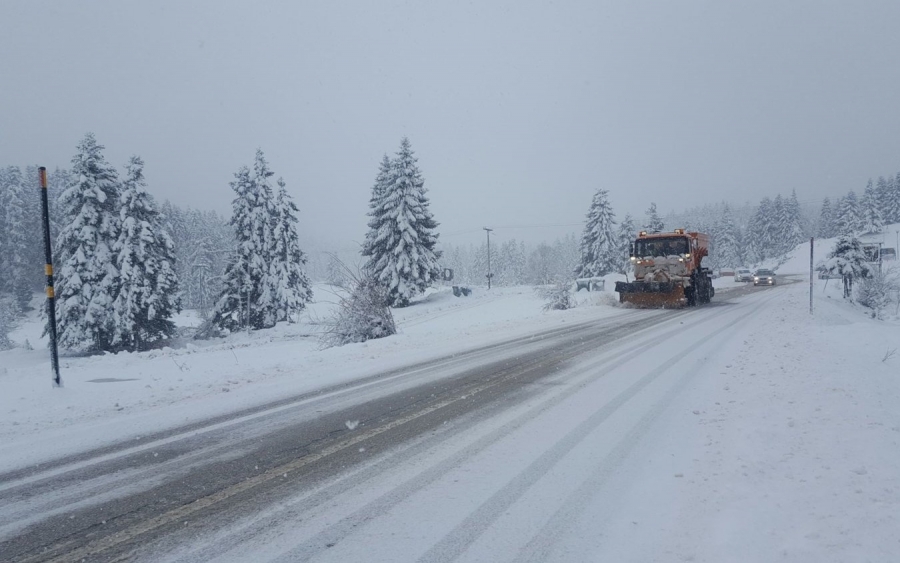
point(668, 271)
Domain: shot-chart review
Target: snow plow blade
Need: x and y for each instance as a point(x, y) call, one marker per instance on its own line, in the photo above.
point(655, 295)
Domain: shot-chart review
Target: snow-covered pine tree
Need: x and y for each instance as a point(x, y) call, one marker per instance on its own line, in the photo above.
point(247, 283)
point(599, 245)
point(870, 207)
point(400, 248)
point(760, 238)
point(727, 247)
point(794, 227)
point(848, 220)
point(57, 181)
point(780, 227)
point(15, 263)
point(480, 264)
point(883, 198)
point(512, 257)
point(848, 260)
point(892, 203)
point(541, 268)
point(826, 220)
point(654, 222)
point(377, 220)
point(291, 286)
point(202, 242)
point(625, 235)
point(145, 257)
point(5, 278)
point(88, 281)
point(267, 217)
point(9, 319)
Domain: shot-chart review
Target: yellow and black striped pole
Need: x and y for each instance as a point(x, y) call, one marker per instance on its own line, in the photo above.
point(48, 269)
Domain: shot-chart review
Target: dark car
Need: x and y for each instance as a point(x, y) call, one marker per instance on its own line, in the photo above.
point(764, 277)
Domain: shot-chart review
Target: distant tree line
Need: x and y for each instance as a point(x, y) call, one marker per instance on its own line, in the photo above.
point(513, 262)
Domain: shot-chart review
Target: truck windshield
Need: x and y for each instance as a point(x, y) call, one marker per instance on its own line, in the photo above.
point(661, 247)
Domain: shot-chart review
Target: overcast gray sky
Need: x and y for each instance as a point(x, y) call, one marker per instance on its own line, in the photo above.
point(517, 110)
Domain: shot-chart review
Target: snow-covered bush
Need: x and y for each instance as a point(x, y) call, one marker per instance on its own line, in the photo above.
point(361, 315)
point(558, 296)
point(876, 291)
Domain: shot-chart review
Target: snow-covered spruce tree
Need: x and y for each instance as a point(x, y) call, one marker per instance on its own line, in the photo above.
point(870, 208)
point(292, 290)
point(760, 230)
point(599, 244)
point(892, 200)
point(727, 248)
point(202, 240)
point(400, 247)
point(247, 284)
point(883, 197)
point(625, 235)
point(376, 200)
point(88, 281)
point(848, 260)
point(9, 319)
point(14, 260)
point(780, 227)
point(793, 228)
point(511, 255)
point(541, 266)
point(145, 258)
point(849, 220)
point(654, 222)
point(4, 234)
point(826, 220)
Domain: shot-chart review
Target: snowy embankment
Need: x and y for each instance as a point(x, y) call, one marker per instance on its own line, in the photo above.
point(126, 395)
point(784, 447)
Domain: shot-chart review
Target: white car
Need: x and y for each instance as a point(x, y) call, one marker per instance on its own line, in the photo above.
point(743, 275)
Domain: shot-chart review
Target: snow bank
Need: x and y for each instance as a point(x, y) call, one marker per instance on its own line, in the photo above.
point(119, 396)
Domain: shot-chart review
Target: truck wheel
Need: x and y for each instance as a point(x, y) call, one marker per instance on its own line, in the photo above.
point(690, 295)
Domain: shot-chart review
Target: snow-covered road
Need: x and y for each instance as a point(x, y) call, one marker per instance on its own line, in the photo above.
point(539, 480)
point(745, 430)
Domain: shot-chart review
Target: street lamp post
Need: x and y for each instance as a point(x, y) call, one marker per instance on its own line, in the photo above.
point(489, 274)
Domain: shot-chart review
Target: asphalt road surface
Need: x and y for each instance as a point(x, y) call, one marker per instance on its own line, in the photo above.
point(316, 477)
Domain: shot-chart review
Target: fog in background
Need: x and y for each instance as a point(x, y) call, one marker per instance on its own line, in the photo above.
point(518, 111)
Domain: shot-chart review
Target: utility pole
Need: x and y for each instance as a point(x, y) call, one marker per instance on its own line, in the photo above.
point(48, 270)
point(489, 274)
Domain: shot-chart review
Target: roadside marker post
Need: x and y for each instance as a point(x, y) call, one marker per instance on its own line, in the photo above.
point(811, 241)
point(48, 270)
